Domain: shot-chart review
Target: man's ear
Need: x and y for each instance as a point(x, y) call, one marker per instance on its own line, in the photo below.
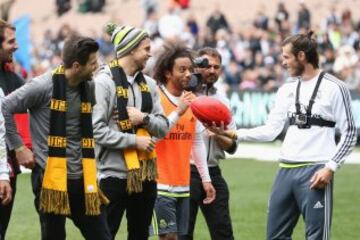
point(168, 74)
point(76, 66)
point(301, 56)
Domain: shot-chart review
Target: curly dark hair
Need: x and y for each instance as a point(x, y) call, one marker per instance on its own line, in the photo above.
point(166, 60)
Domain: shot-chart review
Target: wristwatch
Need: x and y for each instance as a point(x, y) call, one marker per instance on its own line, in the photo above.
point(146, 119)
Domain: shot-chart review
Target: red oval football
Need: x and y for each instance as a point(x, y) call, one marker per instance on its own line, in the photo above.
point(208, 109)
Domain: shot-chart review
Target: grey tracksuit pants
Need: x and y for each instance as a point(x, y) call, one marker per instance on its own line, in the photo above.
point(291, 196)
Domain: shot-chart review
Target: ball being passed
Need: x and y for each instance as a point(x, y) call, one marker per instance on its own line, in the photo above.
point(208, 109)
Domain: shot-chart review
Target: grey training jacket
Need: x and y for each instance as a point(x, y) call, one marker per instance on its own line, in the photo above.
point(110, 141)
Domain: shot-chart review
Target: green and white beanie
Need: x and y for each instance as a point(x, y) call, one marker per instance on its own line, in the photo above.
point(125, 38)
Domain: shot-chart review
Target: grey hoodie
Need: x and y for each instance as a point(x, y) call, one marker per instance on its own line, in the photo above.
point(110, 141)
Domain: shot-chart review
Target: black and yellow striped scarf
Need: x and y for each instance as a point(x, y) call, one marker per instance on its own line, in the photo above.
point(141, 165)
point(54, 196)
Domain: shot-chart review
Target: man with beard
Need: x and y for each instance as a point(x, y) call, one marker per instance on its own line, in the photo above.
point(217, 214)
point(9, 81)
point(184, 142)
point(127, 116)
point(312, 101)
point(64, 173)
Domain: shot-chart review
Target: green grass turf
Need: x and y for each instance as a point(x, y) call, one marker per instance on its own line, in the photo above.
point(249, 181)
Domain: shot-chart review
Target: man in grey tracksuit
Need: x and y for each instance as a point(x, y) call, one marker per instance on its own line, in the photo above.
point(313, 103)
point(113, 143)
point(80, 60)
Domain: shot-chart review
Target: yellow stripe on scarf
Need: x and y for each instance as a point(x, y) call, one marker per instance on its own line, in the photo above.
point(141, 165)
point(54, 194)
point(93, 195)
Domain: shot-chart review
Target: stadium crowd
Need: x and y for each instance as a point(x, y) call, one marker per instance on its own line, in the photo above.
point(251, 55)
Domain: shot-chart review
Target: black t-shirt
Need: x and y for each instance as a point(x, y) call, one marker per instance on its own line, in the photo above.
point(10, 81)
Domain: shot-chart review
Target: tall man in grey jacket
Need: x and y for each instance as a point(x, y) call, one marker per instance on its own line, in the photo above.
point(217, 214)
point(126, 117)
point(60, 104)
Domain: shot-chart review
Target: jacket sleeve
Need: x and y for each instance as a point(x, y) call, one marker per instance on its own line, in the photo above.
point(274, 124)
point(4, 170)
point(30, 95)
point(341, 102)
point(198, 153)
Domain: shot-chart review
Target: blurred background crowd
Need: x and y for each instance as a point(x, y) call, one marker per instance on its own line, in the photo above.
point(248, 35)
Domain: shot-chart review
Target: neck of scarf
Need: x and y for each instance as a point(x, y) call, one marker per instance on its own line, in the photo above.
point(141, 165)
point(54, 195)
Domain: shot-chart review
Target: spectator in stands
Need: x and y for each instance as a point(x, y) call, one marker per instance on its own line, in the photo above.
point(304, 17)
point(217, 20)
point(282, 18)
point(332, 17)
point(328, 59)
point(149, 6)
point(62, 6)
point(347, 68)
point(249, 80)
point(106, 48)
point(193, 25)
point(151, 24)
point(232, 75)
point(171, 25)
point(261, 20)
point(5, 8)
point(91, 5)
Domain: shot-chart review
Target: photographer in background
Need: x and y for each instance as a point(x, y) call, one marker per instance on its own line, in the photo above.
point(217, 213)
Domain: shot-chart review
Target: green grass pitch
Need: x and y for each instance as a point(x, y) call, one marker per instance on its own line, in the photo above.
point(249, 181)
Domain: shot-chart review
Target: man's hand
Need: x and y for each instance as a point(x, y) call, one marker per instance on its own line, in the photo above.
point(145, 143)
point(321, 178)
point(218, 130)
point(210, 192)
point(184, 102)
point(5, 192)
point(135, 115)
point(25, 157)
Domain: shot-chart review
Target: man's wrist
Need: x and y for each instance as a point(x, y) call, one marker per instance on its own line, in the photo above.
point(331, 165)
point(146, 119)
point(232, 135)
